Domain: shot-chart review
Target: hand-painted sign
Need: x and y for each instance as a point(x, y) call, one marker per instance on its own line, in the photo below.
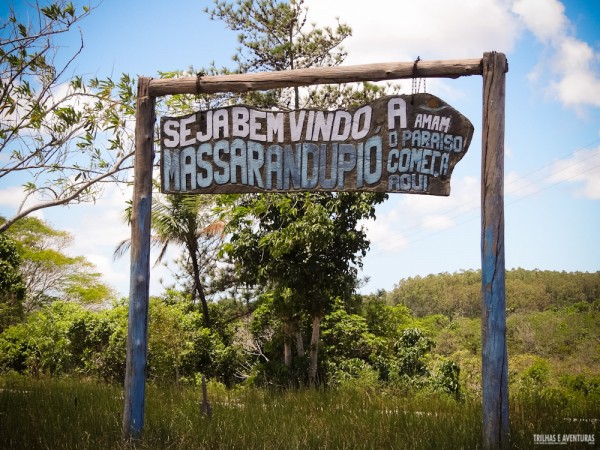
point(407, 143)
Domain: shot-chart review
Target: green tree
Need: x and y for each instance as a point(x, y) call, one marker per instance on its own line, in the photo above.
point(305, 247)
point(52, 124)
point(186, 220)
point(12, 288)
point(385, 320)
point(459, 294)
point(274, 35)
point(65, 338)
point(48, 272)
point(97, 342)
point(41, 344)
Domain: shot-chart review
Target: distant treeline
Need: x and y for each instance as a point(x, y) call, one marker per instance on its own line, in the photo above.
point(424, 335)
point(459, 294)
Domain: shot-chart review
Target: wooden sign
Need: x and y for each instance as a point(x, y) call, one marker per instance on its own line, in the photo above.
point(408, 144)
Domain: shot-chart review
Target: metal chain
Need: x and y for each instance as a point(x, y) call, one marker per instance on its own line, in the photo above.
point(416, 81)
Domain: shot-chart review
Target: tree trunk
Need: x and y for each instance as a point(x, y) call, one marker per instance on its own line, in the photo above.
point(287, 352)
point(287, 345)
point(206, 408)
point(314, 350)
point(299, 344)
point(199, 289)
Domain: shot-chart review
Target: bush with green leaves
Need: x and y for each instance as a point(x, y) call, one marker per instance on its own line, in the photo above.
point(12, 287)
point(65, 338)
point(447, 379)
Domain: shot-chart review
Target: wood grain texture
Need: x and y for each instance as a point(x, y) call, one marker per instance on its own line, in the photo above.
point(493, 324)
point(405, 144)
point(493, 67)
point(319, 75)
point(137, 333)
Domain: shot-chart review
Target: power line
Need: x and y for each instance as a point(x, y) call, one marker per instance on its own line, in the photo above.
point(417, 229)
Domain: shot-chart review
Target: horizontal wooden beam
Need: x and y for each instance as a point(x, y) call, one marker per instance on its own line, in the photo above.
point(320, 75)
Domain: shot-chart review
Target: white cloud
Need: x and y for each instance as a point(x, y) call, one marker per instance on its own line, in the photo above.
point(575, 80)
point(12, 196)
point(521, 186)
point(402, 30)
point(385, 31)
point(508, 151)
point(98, 229)
point(11, 199)
point(461, 200)
point(113, 273)
point(584, 169)
point(411, 217)
point(578, 85)
point(438, 222)
point(383, 232)
point(544, 18)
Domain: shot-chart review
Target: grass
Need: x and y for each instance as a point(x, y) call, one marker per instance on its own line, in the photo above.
point(76, 414)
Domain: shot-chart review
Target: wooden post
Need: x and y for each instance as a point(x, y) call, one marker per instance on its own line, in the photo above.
point(493, 323)
point(246, 82)
point(137, 335)
point(493, 67)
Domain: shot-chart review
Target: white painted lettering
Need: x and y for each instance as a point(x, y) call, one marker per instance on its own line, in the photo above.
point(275, 127)
point(171, 169)
point(296, 125)
point(292, 162)
point(373, 160)
point(256, 160)
point(310, 161)
point(328, 183)
point(361, 123)
point(220, 124)
point(396, 109)
point(238, 161)
point(171, 133)
point(346, 162)
point(188, 168)
point(204, 177)
point(273, 166)
point(342, 124)
point(310, 122)
point(257, 119)
point(221, 148)
point(239, 122)
point(323, 124)
point(206, 120)
point(185, 132)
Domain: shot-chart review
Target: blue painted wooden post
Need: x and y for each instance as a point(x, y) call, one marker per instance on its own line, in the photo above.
point(493, 324)
point(137, 335)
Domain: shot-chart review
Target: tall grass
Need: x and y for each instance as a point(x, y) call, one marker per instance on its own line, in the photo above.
point(74, 414)
point(58, 414)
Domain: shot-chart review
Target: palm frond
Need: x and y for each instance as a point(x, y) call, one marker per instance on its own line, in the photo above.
point(121, 249)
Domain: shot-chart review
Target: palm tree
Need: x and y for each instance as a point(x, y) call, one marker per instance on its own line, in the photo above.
point(186, 220)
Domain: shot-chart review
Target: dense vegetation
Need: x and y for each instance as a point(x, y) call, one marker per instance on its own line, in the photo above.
point(390, 378)
point(371, 339)
point(266, 299)
point(527, 291)
point(553, 331)
point(408, 359)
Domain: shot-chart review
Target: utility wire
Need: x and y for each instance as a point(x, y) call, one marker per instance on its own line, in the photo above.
point(411, 234)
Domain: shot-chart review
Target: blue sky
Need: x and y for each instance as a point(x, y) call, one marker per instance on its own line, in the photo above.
point(552, 179)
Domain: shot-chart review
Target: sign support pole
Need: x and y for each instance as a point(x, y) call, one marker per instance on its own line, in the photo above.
point(493, 67)
point(137, 333)
point(493, 321)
